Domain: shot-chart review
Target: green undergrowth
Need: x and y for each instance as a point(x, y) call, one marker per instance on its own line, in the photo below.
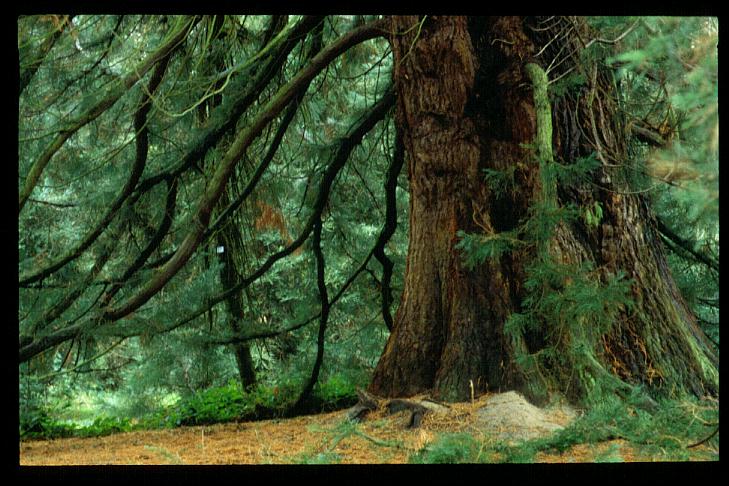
point(663, 434)
point(230, 402)
point(39, 424)
point(450, 448)
point(214, 405)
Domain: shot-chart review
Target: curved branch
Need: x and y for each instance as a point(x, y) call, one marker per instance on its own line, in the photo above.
point(91, 113)
point(276, 25)
point(324, 316)
point(84, 364)
point(88, 308)
point(262, 333)
point(224, 118)
point(30, 347)
point(109, 40)
point(27, 74)
point(707, 439)
point(61, 306)
point(153, 244)
point(686, 245)
point(260, 170)
point(615, 40)
point(211, 195)
point(243, 93)
point(389, 228)
point(140, 161)
point(273, 147)
point(376, 114)
point(647, 134)
point(137, 169)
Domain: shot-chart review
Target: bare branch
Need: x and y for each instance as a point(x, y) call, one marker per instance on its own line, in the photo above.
point(686, 245)
point(617, 39)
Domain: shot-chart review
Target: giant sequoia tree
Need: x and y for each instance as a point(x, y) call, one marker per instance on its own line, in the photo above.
point(532, 262)
point(472, 96)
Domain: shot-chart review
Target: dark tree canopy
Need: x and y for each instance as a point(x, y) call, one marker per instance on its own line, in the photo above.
point(509, 202)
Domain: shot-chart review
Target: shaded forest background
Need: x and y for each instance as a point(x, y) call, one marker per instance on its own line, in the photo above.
point(125, 127)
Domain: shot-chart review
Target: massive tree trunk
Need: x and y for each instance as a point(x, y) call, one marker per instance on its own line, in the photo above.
point(466, 103)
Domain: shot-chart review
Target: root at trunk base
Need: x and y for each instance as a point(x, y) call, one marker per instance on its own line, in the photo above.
point(418, 407)
point(504, 416)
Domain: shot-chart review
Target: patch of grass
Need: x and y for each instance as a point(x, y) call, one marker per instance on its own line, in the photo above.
point(450, 448)
point(39, 424)
point(318, 458)
point(230, 402)
point(516, 454)
point(223, 404)
point(89, 416)
point(219, 404)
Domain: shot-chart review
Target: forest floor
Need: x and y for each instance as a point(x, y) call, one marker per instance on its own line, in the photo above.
point(332, 438)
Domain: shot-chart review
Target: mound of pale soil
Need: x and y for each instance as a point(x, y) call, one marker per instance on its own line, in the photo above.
point(510, 417)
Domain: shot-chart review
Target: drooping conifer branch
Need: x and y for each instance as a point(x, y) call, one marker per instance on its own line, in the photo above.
point(201, 216)
point(154, 242)
point(30, 347)
point(244, 91)
point(341, 156)
point(78, 289)
point(267, 332)
point(90, 113)
point(28, 71)
point(376, 114)
point(140, 161)
point(686, 246)
point(223, 119)
point(273, 146)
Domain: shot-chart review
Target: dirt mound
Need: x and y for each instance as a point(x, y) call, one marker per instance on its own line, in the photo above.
point(510, 417)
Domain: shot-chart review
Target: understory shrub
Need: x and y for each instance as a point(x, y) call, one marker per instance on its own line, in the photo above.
point(37, 423)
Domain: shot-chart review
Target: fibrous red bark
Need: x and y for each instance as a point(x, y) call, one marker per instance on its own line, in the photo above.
point(465, 103)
